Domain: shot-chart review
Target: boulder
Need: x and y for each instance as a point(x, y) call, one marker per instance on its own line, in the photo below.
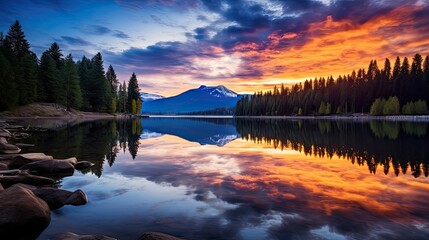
point(25, 178)
point(22, 159)
point(50, 167)
point(3, 166)
point(22, 214)
point(71, 160)
point(157, 236)
point(77, 198)
point(5, 133)
point(83, 165)
point(1, 188)
point(2, 139)
point(57, 198)
point(9, 148)
point(74, 236)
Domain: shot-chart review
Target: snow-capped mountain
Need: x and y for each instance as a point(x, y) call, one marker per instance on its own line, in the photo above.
point(218, 91)
point(147, 97)
point(194, 100)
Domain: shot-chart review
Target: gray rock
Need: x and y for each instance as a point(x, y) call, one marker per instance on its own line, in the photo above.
point(3, 166)
point(71, 160)
point(22, 214)
point(50, 167)
point(9, 148)
point(74, 236)
point(83, 165)
point(25, 178)
point(1, 188)
point(5, 133)
point(22, 159)
point(57, 198)
point(77, 198)
point(157, 236)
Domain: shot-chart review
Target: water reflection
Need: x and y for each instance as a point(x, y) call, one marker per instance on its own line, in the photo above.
point(398, 145)
point(282, 180)
point(379, 144)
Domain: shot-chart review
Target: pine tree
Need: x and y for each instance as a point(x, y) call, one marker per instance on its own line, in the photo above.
point(23, 65)
point(70, 77)
point(133, 91)
point(49, 78)
point(100, 93)
point(112, 79)
point(28, 88)
point(55, 52)
point(426, 78)
point(113, 85)
point(8, 88)
point(416, 88)
point(15, 41)
point(84, 69)
point(122, 99)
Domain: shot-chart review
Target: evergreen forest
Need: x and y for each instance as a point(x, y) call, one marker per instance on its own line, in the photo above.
point(403, 89)
point(55, 78)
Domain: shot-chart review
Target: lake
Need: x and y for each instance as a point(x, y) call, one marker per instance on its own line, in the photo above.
point(245, 178)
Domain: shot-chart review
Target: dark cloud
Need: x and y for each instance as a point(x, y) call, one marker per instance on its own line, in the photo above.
point(201, 33)
point(74, 41)
point(162, 22)
point(100, 30)
point(120, 34)
point(138, 4)
point(165, 57)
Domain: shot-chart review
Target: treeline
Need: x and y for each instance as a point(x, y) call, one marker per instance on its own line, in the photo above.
point(403, 89)
point(82, 85)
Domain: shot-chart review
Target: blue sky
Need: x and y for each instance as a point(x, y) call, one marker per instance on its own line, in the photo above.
point(246, 45)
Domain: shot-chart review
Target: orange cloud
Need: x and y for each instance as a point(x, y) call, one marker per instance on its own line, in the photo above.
point(336, 48)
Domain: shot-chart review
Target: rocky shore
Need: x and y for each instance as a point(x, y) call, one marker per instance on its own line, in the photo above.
point(28, 189)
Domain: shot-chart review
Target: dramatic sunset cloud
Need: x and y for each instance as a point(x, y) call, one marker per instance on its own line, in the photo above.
point(246, 45)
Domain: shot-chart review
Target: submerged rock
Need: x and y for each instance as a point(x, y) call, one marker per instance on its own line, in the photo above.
point(74, 236)
point(83, 165)
point(22, 214)
point(57, 198)
point(77, 198)
point(26, 179)
point(22, 159)
point(157, 236)
point(50, 167)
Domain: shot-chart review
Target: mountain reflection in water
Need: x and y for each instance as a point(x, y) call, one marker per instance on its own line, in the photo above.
point(275, 179)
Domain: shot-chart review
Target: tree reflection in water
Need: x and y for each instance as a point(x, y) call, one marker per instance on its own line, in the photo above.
point(397, 145)
point(94, 141)
point(402, 146)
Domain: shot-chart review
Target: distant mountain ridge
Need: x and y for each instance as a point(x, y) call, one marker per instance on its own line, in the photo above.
point(199, 99)
point(147, 97)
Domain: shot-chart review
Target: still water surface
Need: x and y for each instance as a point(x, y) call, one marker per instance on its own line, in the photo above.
point(245, 179)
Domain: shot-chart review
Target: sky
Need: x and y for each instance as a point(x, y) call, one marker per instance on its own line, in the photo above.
point(245, 45)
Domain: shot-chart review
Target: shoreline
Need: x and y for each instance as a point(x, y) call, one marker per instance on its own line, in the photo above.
point(360, 117)
point(363, 118)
